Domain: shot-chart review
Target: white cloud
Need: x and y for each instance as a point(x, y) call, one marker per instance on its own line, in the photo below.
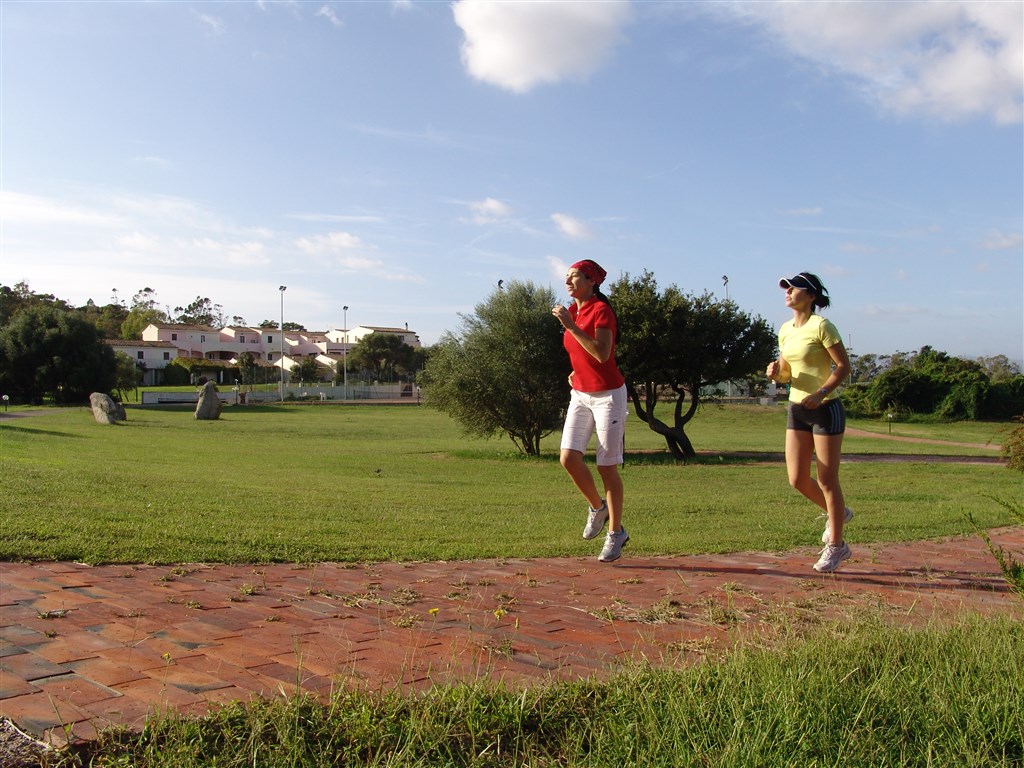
point(519, 45)
point(245, 254)
point(332, 242)
point(803, 212)
point(214, 24)
point(571, 227)
point(138, 242)
point(952, 60)
point(19, 208)
point(328, 13)
point(558, 269)
point(337, 218)
point(1003, 241)
point(489, 211)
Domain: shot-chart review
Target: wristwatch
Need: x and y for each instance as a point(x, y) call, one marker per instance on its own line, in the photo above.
point(824, 391)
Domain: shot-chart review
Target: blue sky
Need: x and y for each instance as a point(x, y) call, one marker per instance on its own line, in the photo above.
point(401, 158)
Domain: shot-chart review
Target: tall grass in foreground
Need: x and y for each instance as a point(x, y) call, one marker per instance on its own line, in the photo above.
point(865, 694)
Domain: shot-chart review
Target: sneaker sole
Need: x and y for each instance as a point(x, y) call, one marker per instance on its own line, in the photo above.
point(598, 532)
point(613, 559)
point(834, 568)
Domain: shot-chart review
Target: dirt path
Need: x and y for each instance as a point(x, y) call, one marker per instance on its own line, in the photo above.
point(896, 438)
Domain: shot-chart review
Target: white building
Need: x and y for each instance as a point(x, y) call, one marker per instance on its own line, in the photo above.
point(163, 342)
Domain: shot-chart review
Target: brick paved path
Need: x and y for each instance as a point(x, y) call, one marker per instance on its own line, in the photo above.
point(84, 648)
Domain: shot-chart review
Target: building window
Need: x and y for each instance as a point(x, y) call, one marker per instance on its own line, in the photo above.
point(270, 357)
point(140, 354)
point(241, 339)
point(174, 337)
point(270, 339)
point(202, 339)
point(167, 355)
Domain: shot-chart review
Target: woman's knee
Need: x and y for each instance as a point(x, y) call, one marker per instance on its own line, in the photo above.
point(569, 459)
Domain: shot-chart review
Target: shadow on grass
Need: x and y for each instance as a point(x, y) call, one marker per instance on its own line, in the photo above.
point(30, 431)
point(636, 458)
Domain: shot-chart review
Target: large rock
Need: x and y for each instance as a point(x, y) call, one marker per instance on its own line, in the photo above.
point(105, 409)
point(209, 405)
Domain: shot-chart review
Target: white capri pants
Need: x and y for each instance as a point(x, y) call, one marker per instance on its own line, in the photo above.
point(603, 413)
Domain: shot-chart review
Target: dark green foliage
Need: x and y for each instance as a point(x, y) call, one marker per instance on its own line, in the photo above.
point(383, 356)
point(934, 383)
point(506, 372)
point(307, 371)
point(176, 374)
point(683, 344)
point(1005, 398)
point(128, 375)
point(1013, 448)
point(202, 311)
point(48, 352)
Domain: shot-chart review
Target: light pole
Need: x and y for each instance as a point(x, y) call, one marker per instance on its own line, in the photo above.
point(344, 353)
point(725, 282)
point(282, 289)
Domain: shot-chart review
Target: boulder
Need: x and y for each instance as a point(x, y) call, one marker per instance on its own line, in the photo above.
point(209, 405)
point(105, 409)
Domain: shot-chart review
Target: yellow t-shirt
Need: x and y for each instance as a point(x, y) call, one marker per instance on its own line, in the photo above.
point(806, 350)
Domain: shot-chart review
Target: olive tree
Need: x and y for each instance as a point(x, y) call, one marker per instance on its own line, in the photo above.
point(49, 352)
point(684, 344)
point(505, 371)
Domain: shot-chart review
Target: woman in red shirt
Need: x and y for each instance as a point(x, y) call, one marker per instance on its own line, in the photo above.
point(598, 402)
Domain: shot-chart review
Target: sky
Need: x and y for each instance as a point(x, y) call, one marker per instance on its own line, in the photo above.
point(402, 158)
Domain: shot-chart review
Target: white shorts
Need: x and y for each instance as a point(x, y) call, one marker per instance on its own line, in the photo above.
point(603, 413)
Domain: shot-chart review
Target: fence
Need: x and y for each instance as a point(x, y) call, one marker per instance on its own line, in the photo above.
point(403, 393)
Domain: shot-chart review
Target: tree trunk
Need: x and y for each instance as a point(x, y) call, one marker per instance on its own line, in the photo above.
point(675, 438)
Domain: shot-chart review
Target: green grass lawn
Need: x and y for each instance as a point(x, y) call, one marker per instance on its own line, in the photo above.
point(357, 483)
point(863, 694)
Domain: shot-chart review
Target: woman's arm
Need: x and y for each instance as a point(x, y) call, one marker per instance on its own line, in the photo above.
point(840, 370)
point(779, 370)
point(599, 348)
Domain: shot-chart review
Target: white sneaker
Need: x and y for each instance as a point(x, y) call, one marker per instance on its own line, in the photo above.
point(847, 517)
point(613, 544)
point(596, 518)
point(831, 556)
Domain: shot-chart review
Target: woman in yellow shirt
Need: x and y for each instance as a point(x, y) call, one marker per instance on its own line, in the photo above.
point(813, 361)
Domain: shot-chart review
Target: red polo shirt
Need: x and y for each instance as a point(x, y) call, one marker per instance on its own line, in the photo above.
point(589, 374)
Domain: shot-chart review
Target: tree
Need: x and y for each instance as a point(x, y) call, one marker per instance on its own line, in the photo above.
point(289, 326)
point(307, 371)
point(49, 352)
point(128, 375)
point(999, 368)
point(21, 297)
point(107, 319)
point(201, 312)
point(144, 312)
point(684, 344)
point(382, 355)
point(247, 368)
point(505, 371)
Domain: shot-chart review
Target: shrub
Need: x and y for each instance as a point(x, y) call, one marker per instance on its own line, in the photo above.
point(1013, 448)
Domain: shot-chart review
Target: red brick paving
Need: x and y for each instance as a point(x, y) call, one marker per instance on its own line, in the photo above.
point(86, 648)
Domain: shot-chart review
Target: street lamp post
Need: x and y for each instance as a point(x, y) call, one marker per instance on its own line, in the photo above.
point(344, 353)
point(282, 289)
point(725, 282)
